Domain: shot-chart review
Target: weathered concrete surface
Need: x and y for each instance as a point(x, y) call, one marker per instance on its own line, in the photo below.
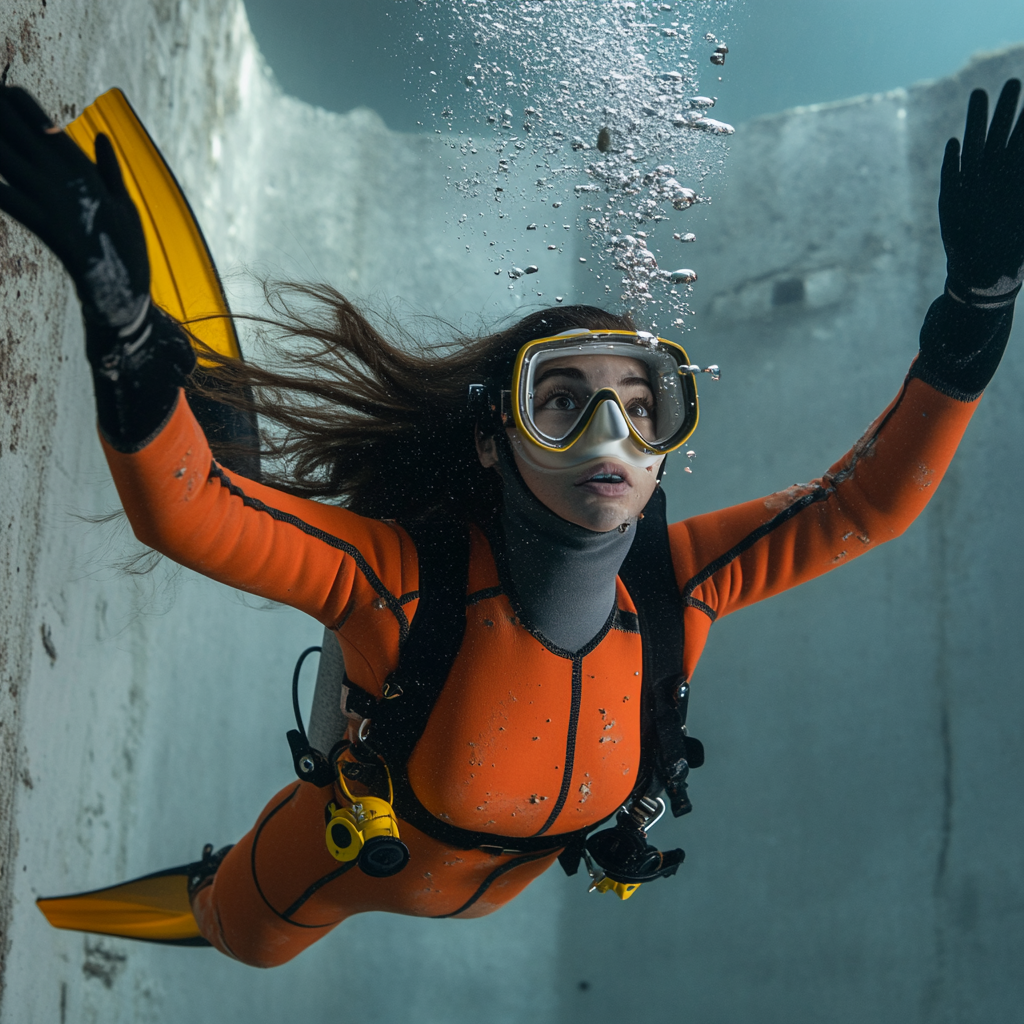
point(140, 718)
point(854, 854)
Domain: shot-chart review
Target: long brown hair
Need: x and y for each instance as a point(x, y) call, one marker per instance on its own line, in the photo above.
point(379, 425)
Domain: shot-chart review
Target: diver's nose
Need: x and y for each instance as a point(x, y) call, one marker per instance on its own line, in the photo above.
point(608, 424)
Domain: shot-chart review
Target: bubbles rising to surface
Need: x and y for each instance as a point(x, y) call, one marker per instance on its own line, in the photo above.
point(592, 104)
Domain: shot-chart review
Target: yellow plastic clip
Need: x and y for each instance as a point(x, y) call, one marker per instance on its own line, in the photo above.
point(621, 889)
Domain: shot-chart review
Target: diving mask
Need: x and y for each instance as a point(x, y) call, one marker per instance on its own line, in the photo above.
point(571, 404)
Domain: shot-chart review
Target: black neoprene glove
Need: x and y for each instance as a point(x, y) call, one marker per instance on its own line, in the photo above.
point(981, 215)
point(83, 213)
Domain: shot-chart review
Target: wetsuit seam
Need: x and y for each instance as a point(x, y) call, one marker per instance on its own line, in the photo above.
point(491, 879)
point(499, 555)
point(625, 622)
point(315, 887)
point(818, 494)
point(934, 380)
point(694, 602)
point(252, 864)
point(483, 595)
point(220, 929)
point(570, 743)
point(314, 531)
point(136, 446)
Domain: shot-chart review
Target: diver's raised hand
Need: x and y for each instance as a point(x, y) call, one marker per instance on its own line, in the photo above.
point(79, 209)
point(82, 211)
point(981, 203)
point(981, 214)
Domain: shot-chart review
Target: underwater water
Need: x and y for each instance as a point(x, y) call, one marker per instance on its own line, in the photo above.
point(854, 850)
point(834, 861)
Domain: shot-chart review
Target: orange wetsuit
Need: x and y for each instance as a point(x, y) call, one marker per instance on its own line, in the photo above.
point(524, 740)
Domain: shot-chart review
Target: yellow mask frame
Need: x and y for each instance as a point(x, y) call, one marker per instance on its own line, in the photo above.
point(590, 339)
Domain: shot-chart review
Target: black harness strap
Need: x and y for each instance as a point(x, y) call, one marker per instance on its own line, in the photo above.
point(427, 656)
point(433, 642)
point(651, 581)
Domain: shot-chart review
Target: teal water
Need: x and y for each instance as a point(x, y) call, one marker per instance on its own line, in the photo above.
point(783, 53)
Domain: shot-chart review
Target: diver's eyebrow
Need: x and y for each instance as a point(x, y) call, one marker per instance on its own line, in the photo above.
point(636, 381)
point(561, 371)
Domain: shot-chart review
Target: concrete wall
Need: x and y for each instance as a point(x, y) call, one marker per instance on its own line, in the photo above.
point(853, 854)
point(855, 850)
point(140, 718)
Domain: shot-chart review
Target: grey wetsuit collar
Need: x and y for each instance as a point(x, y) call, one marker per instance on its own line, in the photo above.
point(563, 575)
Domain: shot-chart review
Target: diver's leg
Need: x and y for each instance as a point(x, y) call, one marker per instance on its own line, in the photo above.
point(266, 903)
point(327, 722)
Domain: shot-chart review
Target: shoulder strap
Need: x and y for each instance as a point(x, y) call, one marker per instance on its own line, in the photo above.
point(434, 639)
point(651, 581)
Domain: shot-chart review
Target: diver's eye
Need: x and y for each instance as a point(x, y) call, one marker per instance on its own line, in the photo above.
point(637, 410)
point(560, 402)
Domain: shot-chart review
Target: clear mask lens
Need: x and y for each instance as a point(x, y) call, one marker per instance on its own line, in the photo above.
point(561, 384)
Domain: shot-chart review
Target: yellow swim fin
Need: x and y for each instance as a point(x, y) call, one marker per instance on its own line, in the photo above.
point(154, 908)
point(184, 281)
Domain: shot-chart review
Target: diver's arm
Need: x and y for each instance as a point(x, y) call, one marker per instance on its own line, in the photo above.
point(318, 558)
point(729, 559)
point(179, 501)
point(83, 213)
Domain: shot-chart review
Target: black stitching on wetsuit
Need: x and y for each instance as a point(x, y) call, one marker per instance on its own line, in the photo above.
point(507, 588)
point(492, 878)
point(818, 494)
point(625, 622)
point(701, 606)
point(220, 929)
point(252, 861)
point(570, 742)
point(586, 649)
point(319, 884)
point(484, 595)
point(313, 531)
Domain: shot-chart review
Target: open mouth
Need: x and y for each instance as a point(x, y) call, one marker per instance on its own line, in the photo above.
point(605, 479)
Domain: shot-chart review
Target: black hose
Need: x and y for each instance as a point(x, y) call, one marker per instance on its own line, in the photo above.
point(295, 691)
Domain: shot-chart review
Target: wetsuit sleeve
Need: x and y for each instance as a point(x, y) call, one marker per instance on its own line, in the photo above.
point(729, 559)
point(318, 558)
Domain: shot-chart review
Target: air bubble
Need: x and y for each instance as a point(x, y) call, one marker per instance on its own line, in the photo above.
point(624, 122)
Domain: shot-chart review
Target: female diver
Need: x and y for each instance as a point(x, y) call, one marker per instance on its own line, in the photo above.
point(506, 669)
